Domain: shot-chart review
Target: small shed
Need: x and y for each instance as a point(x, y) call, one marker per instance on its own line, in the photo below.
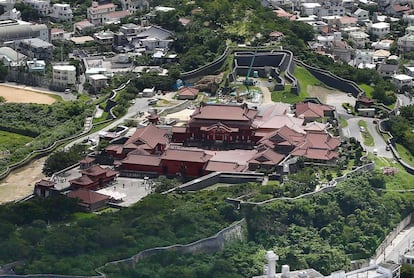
point(188, 93)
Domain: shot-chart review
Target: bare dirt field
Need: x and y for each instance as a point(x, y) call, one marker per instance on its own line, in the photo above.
point(22, 95)
point(20, 183)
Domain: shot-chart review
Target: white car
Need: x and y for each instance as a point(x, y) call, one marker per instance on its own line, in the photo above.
point(362, 129)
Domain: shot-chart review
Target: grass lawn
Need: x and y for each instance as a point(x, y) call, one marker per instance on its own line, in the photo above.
point(101, 118)
point(83, 215)
point(12, 141)
point(305, 78)
point(367, 89)
point(368, 140)
point(401, 180)
point(405, 154)
point(344, 123)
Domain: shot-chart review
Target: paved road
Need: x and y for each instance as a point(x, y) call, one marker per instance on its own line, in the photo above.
point(353, 130)
point(399, 245)
point(140, 105)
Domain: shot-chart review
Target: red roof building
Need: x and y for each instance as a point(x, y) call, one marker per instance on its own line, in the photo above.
point(89, 200)
point(149, 140)
point(93, 178)
point(188, 93)
point(265, 159)
point(312, 111)
point(319, 147)
point(219, 125)
point(43, 188)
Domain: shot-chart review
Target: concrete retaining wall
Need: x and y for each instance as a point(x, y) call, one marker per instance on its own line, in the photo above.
point(332, 80)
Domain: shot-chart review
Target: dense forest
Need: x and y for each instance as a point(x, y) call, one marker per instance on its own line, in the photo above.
point(43, 123)
point(323, 232)
point(50, 236)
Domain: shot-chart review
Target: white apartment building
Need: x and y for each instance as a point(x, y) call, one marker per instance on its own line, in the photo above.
point(406, 43)
point(402, 80)
point(61, 12)
point(380, 29)
point(41, 6)
point(97, 13)
point(359, 39)
point(64, 76)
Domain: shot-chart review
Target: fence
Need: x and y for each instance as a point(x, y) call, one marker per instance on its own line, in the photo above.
point(326, 188)
point(216, 177)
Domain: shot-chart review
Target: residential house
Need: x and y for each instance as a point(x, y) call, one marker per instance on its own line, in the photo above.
point(402, 80)
point(57, 34)
point(381, 55)
point(359, 39)
point(135, 5)
point(383, 44)
point(188, 93)
point(61, 12)
point(380, 29)
point(386, 70)
point(330, 9)
point(397, 10)
point(406, 43)
point(276, 36)
point(104, 37)
point(115, 17)
point(346, 22)
point(409, 18)
point(64, 76)
point(98, 81)
point(309, 8)
point(131, 29)
point(89, 200)
point(96, 13)
point(41, 6)
point(83, 27)
point(154, 37)
point(35, 65)
point(409, 70)
point(361, 15)
point(36, 48)
point(364, 59)
point(341, 51)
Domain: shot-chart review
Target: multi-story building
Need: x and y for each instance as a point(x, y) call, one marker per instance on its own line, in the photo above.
point(380, 29)
point(36, 48)
point(406, 43)
point(64, 76)
point(97, 13)
point(359, 39)
point(41, 6)
point(61, 12)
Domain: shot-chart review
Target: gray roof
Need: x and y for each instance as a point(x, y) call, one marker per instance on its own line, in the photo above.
point(37, 43)
point(18, 32)
point(388, 67)
point(156, 32)
point(11, 54)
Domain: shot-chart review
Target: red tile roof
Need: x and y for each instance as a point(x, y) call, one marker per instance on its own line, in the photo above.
point(149, 160)
point(149, 136)
point(186, 155)
point(82, 181)
point(312, 110)
point(45, 183)
point(179, 129)
point(224, 112)
point(268, 157)
point(88, 196)
point(104, 6)
point(284, 136)
point(188, 91)
point(87, 159)
point(219, 166)
point(321, 146)
point(94, 170)
point(118, 14)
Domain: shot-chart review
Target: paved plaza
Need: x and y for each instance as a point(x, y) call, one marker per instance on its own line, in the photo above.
point(132, 189)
